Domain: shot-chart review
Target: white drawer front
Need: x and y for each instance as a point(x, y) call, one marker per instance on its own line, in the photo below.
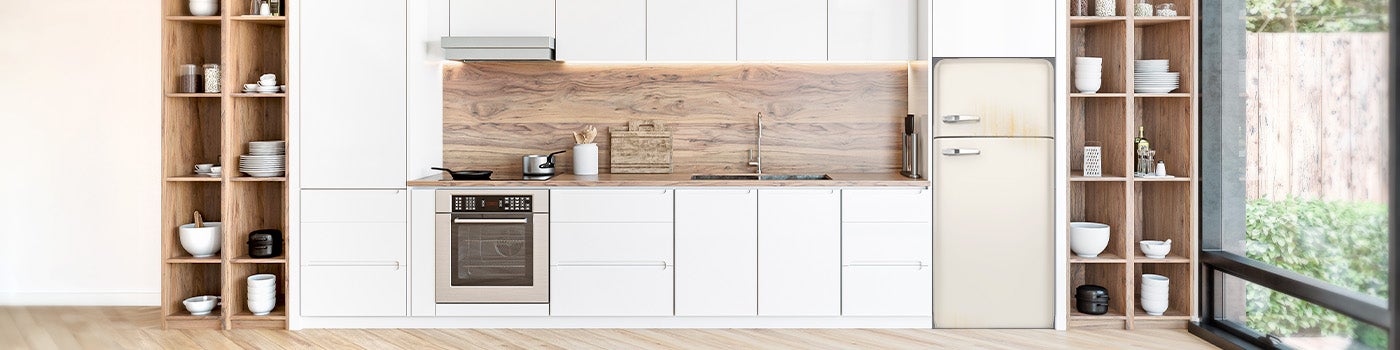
point(610, 291)
point(902, 205)
point(354, 291)
point(887, 243)
point(887, 291)
point(328, 243)
point(354, 206)
point(589, 205)
point(611, 243)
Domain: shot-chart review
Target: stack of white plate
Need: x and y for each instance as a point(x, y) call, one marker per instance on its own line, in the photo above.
point(262, 293)
point(1152, 77)
point(264, 159)
point(1088, 74)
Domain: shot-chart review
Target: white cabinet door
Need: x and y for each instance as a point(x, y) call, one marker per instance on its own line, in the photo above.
point(354, 206)
point(886, 269)
point(501, 18)
point(610, 290)
point(601, 30)
point(674, 30)
point(611, 205)
point(354, 98)
point(625, 243)
point(328, 243)
point(799, 252)
point(365, 290)
point(887, 205)
point(782, 30)
point(871, 30)
point(716, 252)
point(993, 28)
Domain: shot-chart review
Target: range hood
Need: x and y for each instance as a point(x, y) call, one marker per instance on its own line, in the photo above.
point(498, 48)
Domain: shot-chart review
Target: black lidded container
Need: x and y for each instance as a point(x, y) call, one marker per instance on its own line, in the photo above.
point(266, 243)
point(1091, 299)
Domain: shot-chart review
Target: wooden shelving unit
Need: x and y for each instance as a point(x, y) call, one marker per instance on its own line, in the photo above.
point(1136, 208)
point(216, 128)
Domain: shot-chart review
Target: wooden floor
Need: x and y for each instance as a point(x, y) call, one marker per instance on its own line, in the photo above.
point(139, 328)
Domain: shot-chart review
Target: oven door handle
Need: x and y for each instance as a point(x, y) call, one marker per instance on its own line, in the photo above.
point(491, 221)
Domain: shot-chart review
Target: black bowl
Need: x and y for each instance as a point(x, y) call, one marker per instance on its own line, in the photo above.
point(1092, 308)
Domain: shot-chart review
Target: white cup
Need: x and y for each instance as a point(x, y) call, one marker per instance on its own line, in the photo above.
point(203, 168)
point(250, 87)
point(216, 170)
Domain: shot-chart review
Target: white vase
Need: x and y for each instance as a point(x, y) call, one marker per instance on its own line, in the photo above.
point(586, 159)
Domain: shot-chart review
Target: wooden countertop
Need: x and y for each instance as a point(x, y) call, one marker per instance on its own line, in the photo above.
point(676, 180)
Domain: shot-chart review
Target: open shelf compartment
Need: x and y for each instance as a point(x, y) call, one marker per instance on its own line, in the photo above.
point(237, 292)
point(1166, 41)
point(1112, 277)
point(253, 120)
point(1102, 121)
point(190, 280)
point(1105, 203)
point(1178, 295)
point(192, 135)
point(1167, 124)
point(256, 49)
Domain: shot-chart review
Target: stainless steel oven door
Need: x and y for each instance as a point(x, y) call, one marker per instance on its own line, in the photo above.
point(492, 258)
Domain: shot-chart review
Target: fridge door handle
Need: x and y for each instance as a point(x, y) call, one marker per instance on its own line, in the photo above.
point(961, 151)
point(961, 118)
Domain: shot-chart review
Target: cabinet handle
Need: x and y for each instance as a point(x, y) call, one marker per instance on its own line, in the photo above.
point(961, 151)
point(907, 263)
point(662, 264)
point(950, 119)
point(395, 264)
point(490, 221)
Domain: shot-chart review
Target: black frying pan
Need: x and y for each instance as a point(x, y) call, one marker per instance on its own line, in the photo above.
point(468, 174)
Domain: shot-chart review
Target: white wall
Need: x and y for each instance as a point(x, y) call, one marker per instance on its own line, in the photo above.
point(79, 89)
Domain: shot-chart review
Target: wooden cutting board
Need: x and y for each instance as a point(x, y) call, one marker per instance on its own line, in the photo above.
point(643, 147)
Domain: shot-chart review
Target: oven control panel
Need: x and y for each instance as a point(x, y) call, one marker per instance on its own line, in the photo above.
point(463, 204)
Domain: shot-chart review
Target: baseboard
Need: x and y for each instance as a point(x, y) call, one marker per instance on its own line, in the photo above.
point(80, 298)
point(616, 322)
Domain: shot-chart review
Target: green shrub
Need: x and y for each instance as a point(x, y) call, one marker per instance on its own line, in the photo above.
point(1343, 243)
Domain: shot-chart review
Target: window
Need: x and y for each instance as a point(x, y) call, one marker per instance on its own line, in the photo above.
point(1295, 171)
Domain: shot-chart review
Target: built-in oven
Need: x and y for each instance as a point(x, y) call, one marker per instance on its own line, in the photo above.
point(492, 246)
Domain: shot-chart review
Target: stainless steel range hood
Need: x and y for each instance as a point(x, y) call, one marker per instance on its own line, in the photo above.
point(498, 48)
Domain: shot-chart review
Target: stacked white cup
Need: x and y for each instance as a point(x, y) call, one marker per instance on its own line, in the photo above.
point(262, 293)
point(1154, 294)
point(1088, 74)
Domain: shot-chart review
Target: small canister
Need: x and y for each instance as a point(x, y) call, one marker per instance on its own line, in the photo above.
point(266, 243)
point(211, 78)
point(190, 80)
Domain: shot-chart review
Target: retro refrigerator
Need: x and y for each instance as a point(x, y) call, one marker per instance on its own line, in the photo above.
point(992, 173)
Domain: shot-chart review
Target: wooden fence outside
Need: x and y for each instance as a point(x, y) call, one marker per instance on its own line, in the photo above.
point(1316, 116)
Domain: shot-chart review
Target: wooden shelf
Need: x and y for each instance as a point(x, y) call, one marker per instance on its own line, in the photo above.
point(258, 179)
point(1111, 315)
point(1171, 314)
point(1168, 179)
point(187, 259)
point(1078, 176)
point(1170, 259)
point(193, 95)
point(259, 95)
point(1151, 21)
point(1103, 258)
point(1085, 21)
point(213, 20)
point(244, 259)
point(193, 178)
point(277, 21)
point(1099, 95)
point(1166, 95)
point(279, 312)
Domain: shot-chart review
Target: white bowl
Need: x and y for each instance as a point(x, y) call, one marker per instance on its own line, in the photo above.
point(1088, 86)
point(1087, 59)
point(262, 279)
point(261, 308)
point(201, 242)
point(204, 8)
point(201, 305)
point(1155, 249)
point(1154, 281)
point(1088, 239)
point(262, 291)
point(1154, 308)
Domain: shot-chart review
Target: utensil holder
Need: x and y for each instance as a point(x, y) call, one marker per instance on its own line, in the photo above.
point(586, 159)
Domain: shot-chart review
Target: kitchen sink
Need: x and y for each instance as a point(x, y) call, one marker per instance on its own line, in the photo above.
point(762, 177)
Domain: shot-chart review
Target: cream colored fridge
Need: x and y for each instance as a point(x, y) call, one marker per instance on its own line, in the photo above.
point(993, 161)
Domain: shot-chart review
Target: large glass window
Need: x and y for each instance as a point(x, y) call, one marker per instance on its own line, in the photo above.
point(1295, 168)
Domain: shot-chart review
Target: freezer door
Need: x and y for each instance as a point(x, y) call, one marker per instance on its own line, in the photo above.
point(993, 259)
point(993, 97)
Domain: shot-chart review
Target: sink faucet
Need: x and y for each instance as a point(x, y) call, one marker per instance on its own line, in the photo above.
point(757, 154)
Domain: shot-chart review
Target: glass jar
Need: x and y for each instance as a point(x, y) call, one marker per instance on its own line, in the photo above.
point(1081, 8)
point(1143, 8)
point(190, 80)
point(211, 78)
point(1166, 9)
point(1105, 8)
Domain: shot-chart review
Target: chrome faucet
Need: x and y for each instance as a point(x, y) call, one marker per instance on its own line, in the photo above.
point(757, 154)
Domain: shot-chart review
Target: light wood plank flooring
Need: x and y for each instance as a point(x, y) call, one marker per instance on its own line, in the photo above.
point(139, 328)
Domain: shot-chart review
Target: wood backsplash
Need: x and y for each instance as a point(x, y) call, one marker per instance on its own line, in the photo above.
point(837, 118)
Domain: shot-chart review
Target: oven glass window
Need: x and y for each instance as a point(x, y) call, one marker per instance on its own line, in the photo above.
point(493, 254)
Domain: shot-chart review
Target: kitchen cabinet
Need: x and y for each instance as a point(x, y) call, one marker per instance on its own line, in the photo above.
point(674, 34)
point(601, 30)
point(611, 205)
point(871, 30)
point(611, 269)
point(353, 102)
point(886, 269)
point(354, 206)
point(890, 205)
point(365, 289)
point(782, 30)
point(799, 252)
point(993, 28)
point(330, 243)
point(717, 252)
point(500, 18)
